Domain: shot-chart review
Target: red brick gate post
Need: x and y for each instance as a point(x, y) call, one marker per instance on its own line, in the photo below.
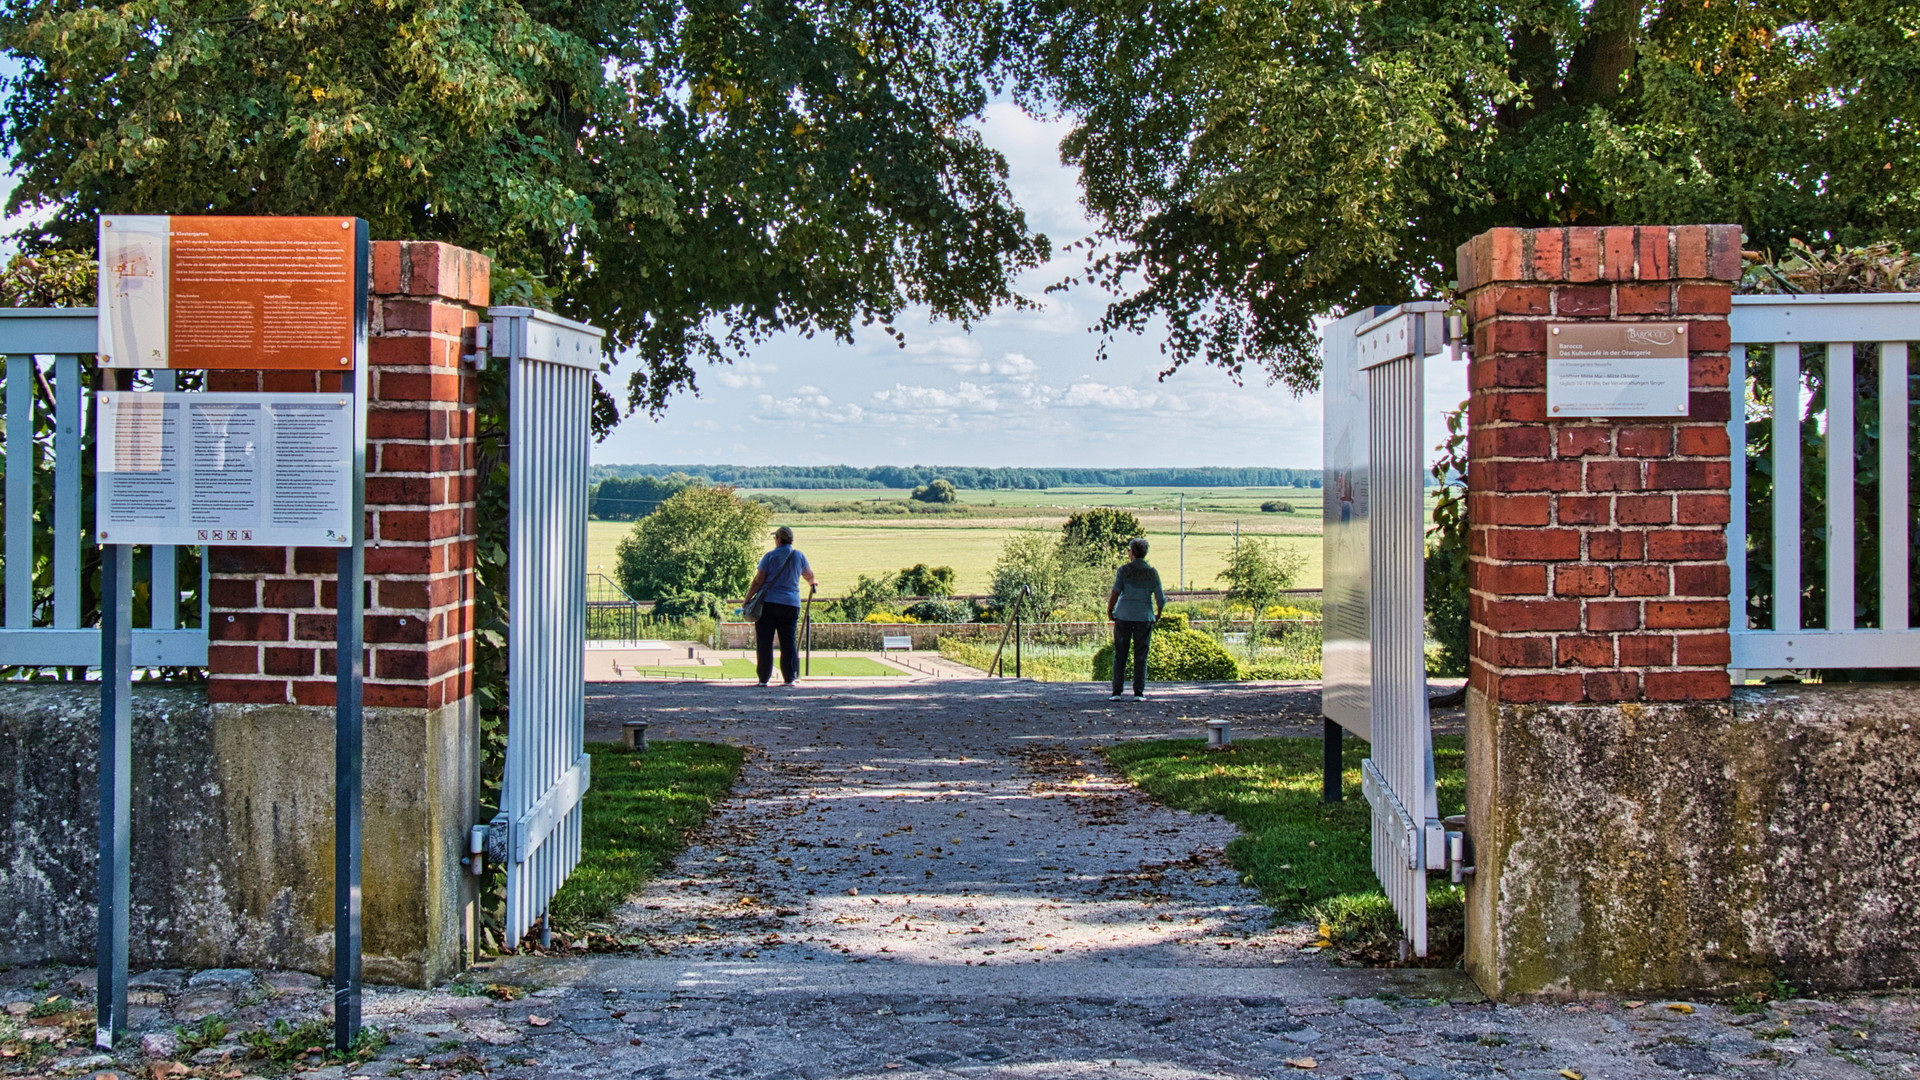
point(1598, 587)
point(271, 657)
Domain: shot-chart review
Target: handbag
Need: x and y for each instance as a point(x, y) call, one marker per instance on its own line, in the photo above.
point(757, 602)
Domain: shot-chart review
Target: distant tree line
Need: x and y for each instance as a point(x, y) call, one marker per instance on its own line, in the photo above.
point(963, 477)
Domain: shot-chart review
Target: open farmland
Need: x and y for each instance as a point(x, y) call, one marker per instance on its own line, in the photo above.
point(843, 545)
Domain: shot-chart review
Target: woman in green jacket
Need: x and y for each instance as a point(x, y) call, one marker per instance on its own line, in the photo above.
point(1135, 602)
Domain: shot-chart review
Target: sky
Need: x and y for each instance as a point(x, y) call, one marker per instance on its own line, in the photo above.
point(1019, 388)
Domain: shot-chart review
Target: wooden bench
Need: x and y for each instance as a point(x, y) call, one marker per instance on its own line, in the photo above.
point(890, 642)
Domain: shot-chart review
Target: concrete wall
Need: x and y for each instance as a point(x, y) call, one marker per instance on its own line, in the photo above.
point(1650, 847)
point(233, 832)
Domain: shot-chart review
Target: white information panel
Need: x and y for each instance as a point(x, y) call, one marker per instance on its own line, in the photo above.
point(1616, 369)
point(209, 468)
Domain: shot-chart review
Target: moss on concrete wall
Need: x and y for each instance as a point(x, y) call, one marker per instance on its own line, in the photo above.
point(1641, 848)
point(233, 832)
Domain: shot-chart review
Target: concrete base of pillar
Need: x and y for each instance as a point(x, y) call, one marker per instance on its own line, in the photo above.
point(233, 833)
point(1699, 848)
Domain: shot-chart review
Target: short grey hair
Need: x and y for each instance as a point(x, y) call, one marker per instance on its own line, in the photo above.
point(1137, 547)
point(783, 535)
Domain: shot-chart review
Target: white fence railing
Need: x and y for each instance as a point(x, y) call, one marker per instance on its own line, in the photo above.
point(44, 348)
point(1824, 377)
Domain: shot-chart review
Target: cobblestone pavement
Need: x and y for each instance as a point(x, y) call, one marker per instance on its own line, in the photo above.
point(1017, 915)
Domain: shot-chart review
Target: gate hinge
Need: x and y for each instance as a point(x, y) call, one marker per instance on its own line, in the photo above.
point(482, 334)
point(1457, 850)
point(499, 838)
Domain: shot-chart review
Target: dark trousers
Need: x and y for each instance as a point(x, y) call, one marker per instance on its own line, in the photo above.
point(1127, 633)
point(777, 619)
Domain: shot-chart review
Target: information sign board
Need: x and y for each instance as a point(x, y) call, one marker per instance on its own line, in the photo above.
point(1616, 369)
point(218, 468)
point(227, 292)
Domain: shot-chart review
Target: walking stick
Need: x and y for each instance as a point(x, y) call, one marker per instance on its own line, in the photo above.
point(807, 628)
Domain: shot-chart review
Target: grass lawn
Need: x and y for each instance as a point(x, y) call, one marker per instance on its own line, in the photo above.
point(636, 817)
point(736, 668)
point(1310, 860)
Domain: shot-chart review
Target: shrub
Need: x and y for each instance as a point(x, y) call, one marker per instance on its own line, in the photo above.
point(696, 605)
point(1173, 620)
point(923, 580)
point(1277, 506)
point(936, 491)
point(889, 617)
point(1180, 655)
point(1282, 611)
point(868, 595)
point(941, 611)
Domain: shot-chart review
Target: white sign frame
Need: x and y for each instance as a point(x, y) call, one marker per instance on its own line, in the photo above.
point(225, 469)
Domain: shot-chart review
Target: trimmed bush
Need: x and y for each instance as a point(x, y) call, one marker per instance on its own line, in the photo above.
point(1276, 506)
point(697, 605)
point(1176, 655)
point(941, 611)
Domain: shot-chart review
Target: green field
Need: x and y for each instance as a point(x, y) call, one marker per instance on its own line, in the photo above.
point(841, 546)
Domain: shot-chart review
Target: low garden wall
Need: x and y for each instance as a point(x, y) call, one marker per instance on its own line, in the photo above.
point(232, 840)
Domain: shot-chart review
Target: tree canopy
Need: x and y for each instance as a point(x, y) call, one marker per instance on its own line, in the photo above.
point(689, 174)
point(1254, 165)
point(1101, 531)
point(703, 539)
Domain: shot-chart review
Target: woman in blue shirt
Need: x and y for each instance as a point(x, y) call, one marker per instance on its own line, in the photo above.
point(1133, 605)
point(780, 572)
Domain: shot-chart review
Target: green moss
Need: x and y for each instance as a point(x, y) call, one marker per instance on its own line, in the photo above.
point(636, 817)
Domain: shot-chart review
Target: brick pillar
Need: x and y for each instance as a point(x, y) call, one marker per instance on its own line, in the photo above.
point(1597, 714)
point(1598, 561)
point(271, 659)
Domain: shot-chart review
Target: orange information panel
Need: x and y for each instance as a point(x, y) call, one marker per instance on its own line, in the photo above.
point(230, 292)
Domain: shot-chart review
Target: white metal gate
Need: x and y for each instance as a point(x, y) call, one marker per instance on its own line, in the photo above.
point(550, 366)
point(1374, 656)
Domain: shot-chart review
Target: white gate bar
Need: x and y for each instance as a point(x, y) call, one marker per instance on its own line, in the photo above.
point(1786, 489)
point(1840, 543)
point(20, 455)
point(66, 491)
point(1737, 496)
point(44, 646)
point(1895, 521)
point(1826, 649)
point(1811, 317)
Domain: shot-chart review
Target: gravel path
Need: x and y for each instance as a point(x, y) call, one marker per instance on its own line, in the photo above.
point(961, 823)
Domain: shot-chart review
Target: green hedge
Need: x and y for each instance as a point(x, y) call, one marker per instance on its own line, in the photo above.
point(1176, 654)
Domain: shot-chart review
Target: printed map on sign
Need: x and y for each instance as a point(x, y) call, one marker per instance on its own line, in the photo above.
point(227, 292)
point(190, 468)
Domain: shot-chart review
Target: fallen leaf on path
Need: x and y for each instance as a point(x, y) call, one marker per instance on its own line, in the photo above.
point(1681, 1007)
point(1303, 1063)
point(1571, 1075)
point(538, 1021)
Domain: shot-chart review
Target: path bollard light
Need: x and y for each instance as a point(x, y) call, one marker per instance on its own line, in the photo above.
point(1219, 734)
point(634, 734)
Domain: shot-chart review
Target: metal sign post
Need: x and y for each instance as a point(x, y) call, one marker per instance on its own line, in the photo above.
point(211, 469)
point(349, 676)
point(116, 790)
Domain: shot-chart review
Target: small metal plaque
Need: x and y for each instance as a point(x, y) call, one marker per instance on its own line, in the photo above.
point(1616, 369)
